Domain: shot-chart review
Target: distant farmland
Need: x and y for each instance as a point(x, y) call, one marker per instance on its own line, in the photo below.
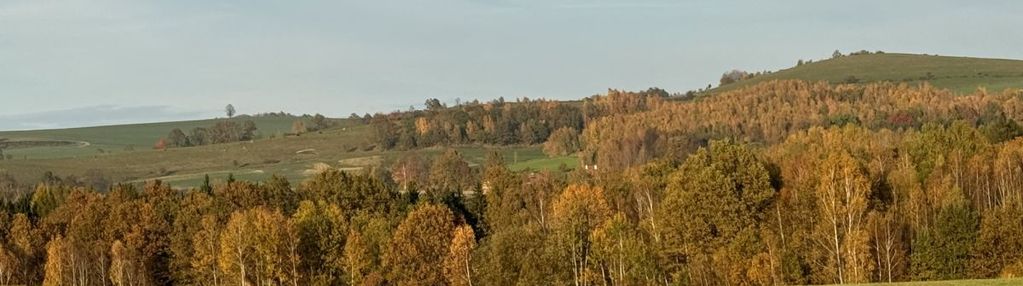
point(125, 153)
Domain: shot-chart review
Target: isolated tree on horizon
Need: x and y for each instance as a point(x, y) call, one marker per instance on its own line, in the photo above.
point(229, 110)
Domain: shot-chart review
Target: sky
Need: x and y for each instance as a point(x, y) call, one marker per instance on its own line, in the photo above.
point(68, 63)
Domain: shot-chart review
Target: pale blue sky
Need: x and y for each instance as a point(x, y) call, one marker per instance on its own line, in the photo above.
point(116, 61)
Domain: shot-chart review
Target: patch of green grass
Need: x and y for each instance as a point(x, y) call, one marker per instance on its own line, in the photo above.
point(512, 154)
point(571, 162)
point(105, 140)
point(974, 282)
point(277, 155)
point(959, 74)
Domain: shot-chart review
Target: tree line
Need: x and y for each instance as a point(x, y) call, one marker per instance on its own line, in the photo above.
point(769, 112)
point(523, 122)
point(225, 131)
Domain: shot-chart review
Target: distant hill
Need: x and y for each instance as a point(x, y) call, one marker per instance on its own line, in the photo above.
point(959, 74)
point(120, 138)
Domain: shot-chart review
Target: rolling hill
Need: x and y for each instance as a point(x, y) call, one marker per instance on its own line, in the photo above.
point(959, 74)
point(111, 139)
point(124, 153)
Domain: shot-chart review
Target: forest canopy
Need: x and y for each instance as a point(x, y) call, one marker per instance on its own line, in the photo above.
point(785, 182)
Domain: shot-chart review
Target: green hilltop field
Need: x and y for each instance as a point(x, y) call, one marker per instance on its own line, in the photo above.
point(124, 153)
point(121, 138)
point(959, 74)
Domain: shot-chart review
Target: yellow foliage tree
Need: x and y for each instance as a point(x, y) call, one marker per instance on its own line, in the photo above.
point(419, 245)
point(577, 212)
point(842, 201)
point(458, 264)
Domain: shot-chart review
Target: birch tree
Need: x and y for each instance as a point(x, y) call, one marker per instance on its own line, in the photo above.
point(577, 212)
point(842, 202)
point(206, 246)
point(235, 258)
point(458, 263)
point(8, 265)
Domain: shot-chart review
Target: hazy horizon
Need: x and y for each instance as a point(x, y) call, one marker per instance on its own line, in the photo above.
point(82, 63)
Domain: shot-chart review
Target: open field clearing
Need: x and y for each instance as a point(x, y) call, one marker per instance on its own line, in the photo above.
point(290, 157)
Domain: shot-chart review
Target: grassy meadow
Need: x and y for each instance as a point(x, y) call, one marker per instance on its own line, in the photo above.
point(122, 138)
point(959, 74)
point(290, 156)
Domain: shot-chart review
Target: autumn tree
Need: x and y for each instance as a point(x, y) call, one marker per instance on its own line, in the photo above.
point(259, 246)
point(517, 228)
point(888, 236)
point(194, 205)
point(322, 230)
point(576, 213)
point(842, 196)
point(275, 245)
point(125, 266)
point(622, 253)
point(67, 264)
point(235, 259)
point(419, 246)
point(8, 265)
point(458, 263)
point(562, 142)
point(357, 258)
point(28, 246)
point(206, 253)
point(409, 170)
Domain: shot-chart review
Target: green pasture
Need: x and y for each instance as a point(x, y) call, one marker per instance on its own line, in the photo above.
point(959, 74)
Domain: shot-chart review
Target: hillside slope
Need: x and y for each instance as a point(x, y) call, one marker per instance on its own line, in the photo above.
point(120, 138)
point(348, 146)
point(959, 74)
